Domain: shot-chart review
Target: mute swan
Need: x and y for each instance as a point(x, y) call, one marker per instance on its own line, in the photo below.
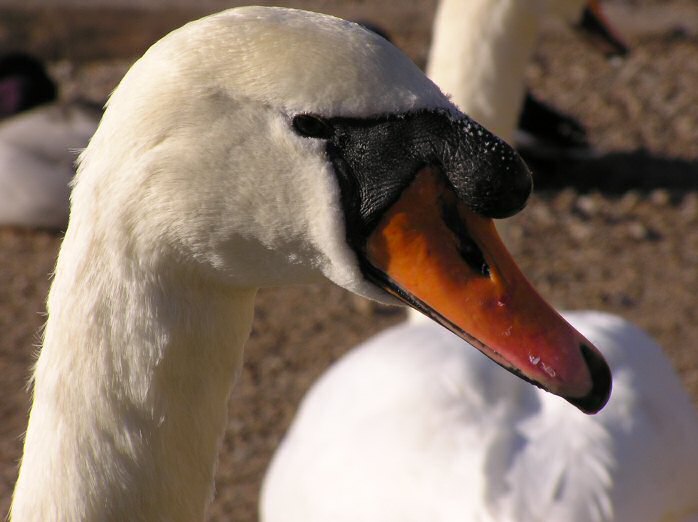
point(258, 147)
point(480, 50)
point(411, 426)
point(38, 144)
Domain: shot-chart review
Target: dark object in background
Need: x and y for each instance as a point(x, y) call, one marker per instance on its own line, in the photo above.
point(24, 83)
point(545, 132)
point(595, 27)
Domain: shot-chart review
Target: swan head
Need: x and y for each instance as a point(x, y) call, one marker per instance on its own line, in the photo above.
point(265, 146)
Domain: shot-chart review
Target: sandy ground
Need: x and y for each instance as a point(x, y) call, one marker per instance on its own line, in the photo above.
point(618, 233)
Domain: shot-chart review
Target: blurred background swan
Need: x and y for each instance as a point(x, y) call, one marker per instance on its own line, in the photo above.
point(414, 424)
point(479, 54)
point(40, 138)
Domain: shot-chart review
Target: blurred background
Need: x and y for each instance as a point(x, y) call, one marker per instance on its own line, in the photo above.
point(616, 230)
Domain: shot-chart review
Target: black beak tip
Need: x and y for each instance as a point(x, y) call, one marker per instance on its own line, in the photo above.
point(600, 392)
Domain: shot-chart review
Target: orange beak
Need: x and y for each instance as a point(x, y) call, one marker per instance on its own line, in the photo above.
point(601, 32)
point(433, 253)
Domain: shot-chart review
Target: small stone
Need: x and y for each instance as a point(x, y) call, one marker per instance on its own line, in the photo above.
point(362, 306)
point(660, 197)
point(629, 201)
point(580, 231)
point(689, 206)
point(637, 231)
point(587, 205)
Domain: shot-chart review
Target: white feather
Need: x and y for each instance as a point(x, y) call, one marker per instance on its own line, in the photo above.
point(415, 424)
point(193, 192)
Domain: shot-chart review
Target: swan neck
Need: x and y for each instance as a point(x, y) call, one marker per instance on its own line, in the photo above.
point(130, 390)
point(478, 56)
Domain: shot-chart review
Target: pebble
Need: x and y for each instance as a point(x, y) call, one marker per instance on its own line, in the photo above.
point(580, 230)
point(689, 206)
point(660, 197)
point(588, 205)
point(629, 201)
point(637, 231)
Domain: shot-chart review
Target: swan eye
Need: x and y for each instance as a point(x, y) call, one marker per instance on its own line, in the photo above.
point(312, 126)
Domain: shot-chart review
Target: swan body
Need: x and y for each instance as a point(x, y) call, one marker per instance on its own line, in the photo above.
point(38, 150)
point(480, 50)
point(259, 147)
point(412, 426)
point(39, 142)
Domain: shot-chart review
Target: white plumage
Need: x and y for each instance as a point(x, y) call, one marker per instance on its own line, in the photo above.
point(414, 425)
point(193, 192)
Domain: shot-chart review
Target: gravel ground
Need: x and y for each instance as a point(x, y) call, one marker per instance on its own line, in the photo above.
point(617, 233)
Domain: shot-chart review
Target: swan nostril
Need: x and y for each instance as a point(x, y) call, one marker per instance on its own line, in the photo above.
point(601, 379)
point(469, 251)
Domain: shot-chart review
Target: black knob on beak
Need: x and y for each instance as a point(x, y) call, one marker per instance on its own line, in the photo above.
point(487, 173)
